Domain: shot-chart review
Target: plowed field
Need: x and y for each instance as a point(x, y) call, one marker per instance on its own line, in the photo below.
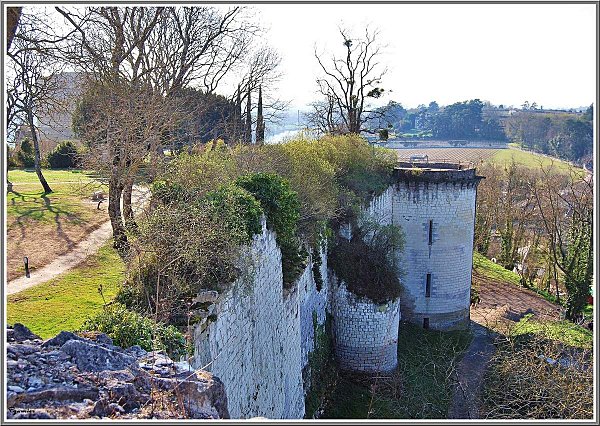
point(455, 155)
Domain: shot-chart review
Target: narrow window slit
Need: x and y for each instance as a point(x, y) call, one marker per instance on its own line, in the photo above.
point(428, 286)
point(430, 232)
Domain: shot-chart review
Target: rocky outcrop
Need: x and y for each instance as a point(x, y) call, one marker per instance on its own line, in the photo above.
point(72, 377)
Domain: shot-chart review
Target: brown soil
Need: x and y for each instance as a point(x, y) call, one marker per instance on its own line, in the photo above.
point(43, 242)
point(475, 155)
point(504, 301)
point(500, 305)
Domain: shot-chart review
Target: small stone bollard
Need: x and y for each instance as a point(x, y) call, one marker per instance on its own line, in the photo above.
point(26, 262)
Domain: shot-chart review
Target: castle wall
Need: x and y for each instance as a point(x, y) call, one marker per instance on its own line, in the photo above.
point(451, 208)
point(259, 342)
point(259, 339)
point(365, 333)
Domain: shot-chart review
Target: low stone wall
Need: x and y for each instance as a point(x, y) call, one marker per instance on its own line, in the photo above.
point(365, 333)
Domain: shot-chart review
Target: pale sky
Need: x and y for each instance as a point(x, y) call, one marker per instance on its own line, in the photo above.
point(502, 53)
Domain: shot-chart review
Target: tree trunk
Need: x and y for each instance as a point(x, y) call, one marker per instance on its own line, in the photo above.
point(115, 189)
point(248, 133)
point(127, 209)
point(37, 156)
point(12, 19)
point(556, 283)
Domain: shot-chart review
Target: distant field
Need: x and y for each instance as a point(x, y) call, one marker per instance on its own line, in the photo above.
point(462, 155)
point(486, 155)
point(530, 160)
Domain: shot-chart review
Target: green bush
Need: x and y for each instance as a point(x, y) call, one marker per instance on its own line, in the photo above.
point(205, 205)
point(11, 159)
point(25, 155)
point(168, 192)
point(279, 202)
point(64, 156)
point(237, 208)
point(128, 328)
point(282, 208)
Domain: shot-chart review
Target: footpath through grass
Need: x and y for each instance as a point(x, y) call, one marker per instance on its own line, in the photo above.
point(44, 226)
point(66, 301)
point(420, 388)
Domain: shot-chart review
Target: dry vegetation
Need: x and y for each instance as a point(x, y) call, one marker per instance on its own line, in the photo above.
point(532, 377)
point(542, 365)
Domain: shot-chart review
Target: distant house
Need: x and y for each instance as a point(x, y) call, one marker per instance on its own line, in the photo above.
point(55, 124)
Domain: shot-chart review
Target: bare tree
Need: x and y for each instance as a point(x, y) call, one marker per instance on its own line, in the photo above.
point(324, 116)
point(349, 81)
point(34, 83)
point(122, 130)
point(160, 50)
point(108, 46)
point(565, 205)
point(12, 19)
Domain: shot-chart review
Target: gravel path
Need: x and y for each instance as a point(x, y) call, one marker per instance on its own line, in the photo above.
point(80, 252)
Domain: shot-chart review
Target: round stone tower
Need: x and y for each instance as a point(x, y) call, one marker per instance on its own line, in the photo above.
point(365, 333)
point(434, 203)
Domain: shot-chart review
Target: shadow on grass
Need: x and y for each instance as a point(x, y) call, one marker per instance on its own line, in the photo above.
point(27, 209)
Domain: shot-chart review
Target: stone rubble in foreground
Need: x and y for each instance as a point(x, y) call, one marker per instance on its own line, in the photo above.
point(72, 377)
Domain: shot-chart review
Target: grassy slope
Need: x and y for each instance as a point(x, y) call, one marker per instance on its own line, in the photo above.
point(563, 331)
point(491, 270)
point(424, 390)
point(531, 160)
point(65, 302)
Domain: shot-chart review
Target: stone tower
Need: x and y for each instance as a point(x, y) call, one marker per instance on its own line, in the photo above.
point(434, 203)
point(365, 333)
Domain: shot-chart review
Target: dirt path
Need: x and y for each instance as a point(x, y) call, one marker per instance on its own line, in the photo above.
point(471, 369)
point(500, 303)
point(80, 252)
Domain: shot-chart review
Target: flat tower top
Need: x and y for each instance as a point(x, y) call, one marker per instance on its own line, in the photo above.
point(436, 172)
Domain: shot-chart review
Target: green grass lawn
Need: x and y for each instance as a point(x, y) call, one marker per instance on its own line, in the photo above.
point(66, 301)
point(491, 270)
point(27, 200)
point(531, 160)
point(51, 175)
point(420, 388)
point(563, 331)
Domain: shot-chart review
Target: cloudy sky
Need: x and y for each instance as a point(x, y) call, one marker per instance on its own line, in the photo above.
point(502, 53)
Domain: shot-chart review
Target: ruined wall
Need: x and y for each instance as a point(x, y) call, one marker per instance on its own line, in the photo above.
point(450, 206)
point(259, 336)
point(365, 333)
point(259, 341)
